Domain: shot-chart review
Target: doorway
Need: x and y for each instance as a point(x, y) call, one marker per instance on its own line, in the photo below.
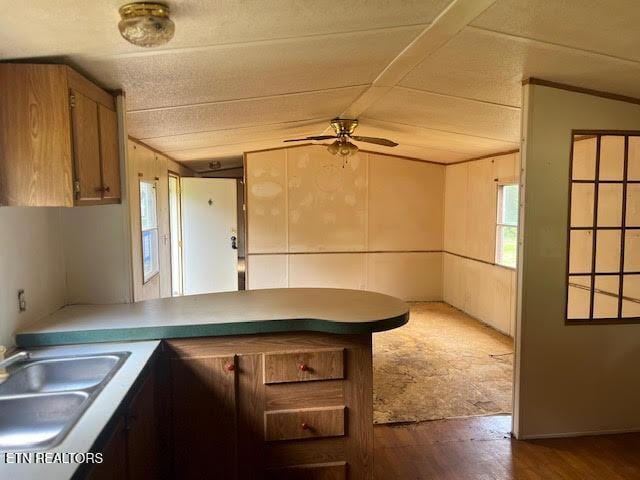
point(175, 231)
point(209, 235)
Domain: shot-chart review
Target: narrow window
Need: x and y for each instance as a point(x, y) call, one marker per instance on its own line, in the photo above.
point(507, 226)
point(149, 229)
point(175, 231)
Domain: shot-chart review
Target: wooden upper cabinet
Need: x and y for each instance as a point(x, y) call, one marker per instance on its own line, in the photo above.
point(58, 138)
point(109, 154)
point(86, 148)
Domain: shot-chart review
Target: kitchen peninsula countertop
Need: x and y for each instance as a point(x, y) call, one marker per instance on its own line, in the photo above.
point(216, 314)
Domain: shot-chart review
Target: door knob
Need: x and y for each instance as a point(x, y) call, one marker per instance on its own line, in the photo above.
point(234, 243)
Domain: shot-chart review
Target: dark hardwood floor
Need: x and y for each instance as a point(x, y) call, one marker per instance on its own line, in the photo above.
point(481, 448)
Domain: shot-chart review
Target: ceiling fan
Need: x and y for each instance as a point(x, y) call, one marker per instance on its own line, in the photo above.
point(344, 128)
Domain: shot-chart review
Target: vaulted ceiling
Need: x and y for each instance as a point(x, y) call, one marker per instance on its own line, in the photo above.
point(441, 78)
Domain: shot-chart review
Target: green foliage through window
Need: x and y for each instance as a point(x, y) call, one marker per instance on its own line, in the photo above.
point(507, 231)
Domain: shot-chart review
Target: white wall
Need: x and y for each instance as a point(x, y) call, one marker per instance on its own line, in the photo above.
point(375, 224)
point(573, 379)
point(472, 281)
point(31, 258)
point(96, 254)
point(64, 256)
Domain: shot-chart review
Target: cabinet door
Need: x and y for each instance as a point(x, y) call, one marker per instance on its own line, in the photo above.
point(143, 433)
point(86, 149)
point(114, 454)
point(204, 417)
point(109, 153)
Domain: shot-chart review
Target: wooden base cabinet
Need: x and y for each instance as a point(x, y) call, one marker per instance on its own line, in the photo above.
point(285, 406)
point(132, 450)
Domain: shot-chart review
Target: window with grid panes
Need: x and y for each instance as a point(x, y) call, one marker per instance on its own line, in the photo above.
point(603, 269)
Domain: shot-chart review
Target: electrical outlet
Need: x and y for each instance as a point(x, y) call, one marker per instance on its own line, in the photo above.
point(22, 302)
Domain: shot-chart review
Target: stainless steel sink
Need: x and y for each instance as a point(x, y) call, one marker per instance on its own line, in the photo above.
point(33, 421)
point(43, 399)
point(60, 374)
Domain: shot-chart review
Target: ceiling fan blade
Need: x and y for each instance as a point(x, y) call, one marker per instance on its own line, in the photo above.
point(318, 137)
point(376, 140)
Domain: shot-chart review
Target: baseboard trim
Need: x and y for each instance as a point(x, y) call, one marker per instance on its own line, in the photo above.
point(589, 433)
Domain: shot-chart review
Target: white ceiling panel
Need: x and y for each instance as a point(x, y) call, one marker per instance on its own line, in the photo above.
point(242, 113)
point(415, 142)
point(410, 151)
point(460, 146)
point(236, 136)
point(490, 66)
point(171, 78)
point(439, 112)
point(605, 26)
point(225, 151)
point(36, 28)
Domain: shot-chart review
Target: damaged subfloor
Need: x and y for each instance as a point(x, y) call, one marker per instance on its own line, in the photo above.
point(442, 364)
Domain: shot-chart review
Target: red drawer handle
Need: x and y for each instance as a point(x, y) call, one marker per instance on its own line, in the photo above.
point(305, 426)
point(229, 367)
point(303, 367)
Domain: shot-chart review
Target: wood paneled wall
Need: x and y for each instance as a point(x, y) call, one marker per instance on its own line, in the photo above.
point(471, 280)
point(375, 223)
point(145, 163)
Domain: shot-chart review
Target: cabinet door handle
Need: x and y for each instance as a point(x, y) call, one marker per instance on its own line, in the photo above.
point(229, 367)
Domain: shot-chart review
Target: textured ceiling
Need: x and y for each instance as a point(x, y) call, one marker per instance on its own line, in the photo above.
point(442, 78)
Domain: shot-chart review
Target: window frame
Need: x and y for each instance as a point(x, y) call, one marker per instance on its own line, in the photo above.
point(594, 227)
point(176, 290)
point(154, 273)
point(500, 225)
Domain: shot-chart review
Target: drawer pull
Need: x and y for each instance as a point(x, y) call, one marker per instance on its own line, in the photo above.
point(229, 367)
point(302, 423)
point(303, 366)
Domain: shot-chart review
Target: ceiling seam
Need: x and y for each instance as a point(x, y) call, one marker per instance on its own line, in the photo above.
point(445, 26)
point(277, 40)
point(469, 99)
point(422, 127)
point(298, 122)
point(246, 99)
point(439, 130)
point(553, 44)
point(285, 137)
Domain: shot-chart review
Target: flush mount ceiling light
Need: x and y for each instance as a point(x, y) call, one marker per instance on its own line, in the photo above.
point(146, 24)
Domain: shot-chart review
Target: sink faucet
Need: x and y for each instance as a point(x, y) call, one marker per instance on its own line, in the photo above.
point(5, 362)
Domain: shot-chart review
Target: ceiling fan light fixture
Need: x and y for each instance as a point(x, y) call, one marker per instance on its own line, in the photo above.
point(334, 147)
point(146, 24)
point(347, 149)
point(342, 147)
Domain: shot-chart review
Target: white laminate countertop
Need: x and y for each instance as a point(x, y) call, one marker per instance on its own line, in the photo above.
point(83, 435)
point(230, 313)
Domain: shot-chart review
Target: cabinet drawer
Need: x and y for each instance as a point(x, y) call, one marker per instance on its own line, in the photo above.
point(303, 366)
point(317, 471)
point(304, 423)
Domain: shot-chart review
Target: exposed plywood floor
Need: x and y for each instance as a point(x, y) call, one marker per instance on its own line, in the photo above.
point(481, 448)
point(442, 364)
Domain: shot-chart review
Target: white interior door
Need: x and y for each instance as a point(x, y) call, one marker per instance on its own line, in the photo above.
point(209, 221)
